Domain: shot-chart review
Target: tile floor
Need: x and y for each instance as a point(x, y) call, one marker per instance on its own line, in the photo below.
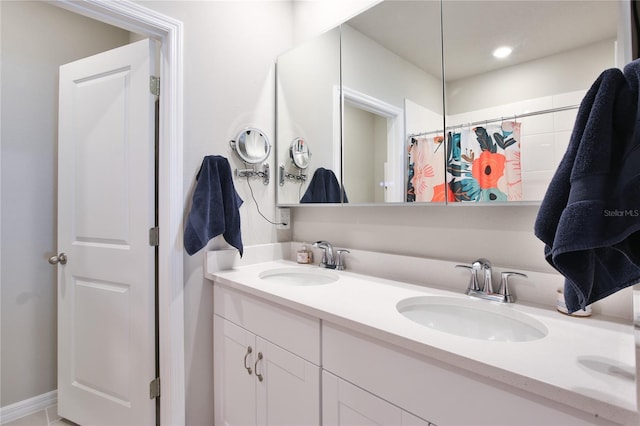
point(47, 417)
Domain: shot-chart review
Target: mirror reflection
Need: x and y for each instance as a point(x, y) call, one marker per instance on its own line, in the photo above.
point(308, 87)
point(515, 74)
point(479, 110)
point(392, 86)
point(299, 153)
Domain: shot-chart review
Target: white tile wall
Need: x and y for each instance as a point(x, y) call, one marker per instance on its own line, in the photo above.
point(569, 98)
point(533, 105)
point(563, 120)
point(544, 138)
point(537, 152)
point(560, 144)
point(534, 184)
point(537, 124)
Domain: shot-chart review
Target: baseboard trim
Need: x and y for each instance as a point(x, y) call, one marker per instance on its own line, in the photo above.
point(23, 408)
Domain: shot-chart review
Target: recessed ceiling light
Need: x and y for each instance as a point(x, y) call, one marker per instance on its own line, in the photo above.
point(502, 52)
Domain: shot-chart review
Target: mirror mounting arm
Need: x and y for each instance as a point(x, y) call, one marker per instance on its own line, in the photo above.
point(249, 173)
point(284, 176)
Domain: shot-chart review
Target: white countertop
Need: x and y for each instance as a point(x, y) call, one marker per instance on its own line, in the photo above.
point(586, 363)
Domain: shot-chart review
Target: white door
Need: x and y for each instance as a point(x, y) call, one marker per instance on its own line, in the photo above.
point(106, 288)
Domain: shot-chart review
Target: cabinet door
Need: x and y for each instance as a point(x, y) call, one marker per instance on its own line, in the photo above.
point(233, 378)
point(344, 404)
point(289, 392)
point(409, 419)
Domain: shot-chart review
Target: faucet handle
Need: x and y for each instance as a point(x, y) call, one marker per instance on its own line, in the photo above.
point(505, 291)
point(340, 260)
point(473, 282)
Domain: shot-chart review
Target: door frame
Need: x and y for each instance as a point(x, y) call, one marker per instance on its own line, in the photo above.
point(136, 18)
point(396, 148)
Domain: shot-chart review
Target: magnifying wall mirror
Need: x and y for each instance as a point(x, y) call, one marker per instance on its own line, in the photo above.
point(252, 146)
point(299, 153)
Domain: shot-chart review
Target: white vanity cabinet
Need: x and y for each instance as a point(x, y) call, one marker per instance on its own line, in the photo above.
point(436, 391)
point(265, 363)
point(340, 355)
point(344, 404)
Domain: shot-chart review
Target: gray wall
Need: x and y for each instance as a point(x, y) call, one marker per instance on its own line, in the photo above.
point(359, 152)
point(36, 39)
point(458, 233)
point(228, 85)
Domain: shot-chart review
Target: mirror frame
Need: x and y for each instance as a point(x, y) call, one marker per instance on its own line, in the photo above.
point(341, 96)
point(303, 150)
point(240, 142)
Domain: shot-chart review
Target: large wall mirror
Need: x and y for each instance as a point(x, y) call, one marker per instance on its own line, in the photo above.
point(307, 89)
point(515, 73)
point(404, 110)
point(392, 86)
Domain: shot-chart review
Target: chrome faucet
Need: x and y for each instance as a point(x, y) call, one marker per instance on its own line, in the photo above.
point(329, 259)
point(486, 291)
point(327, 256)
point(484, 266)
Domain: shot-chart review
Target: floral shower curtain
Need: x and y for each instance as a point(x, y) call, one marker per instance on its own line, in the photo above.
point(483, 163)
point(426, 180)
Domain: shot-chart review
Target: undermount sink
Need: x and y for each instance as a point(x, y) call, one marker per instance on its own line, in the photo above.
point(476, 319)
point(299, 276)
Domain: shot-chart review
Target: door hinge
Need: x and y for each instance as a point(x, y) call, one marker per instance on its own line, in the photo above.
point(154, 236)
point(154, 85)
point(154, 388)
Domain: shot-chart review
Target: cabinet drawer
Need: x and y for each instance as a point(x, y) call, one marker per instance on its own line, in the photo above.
point(436, 391)
point(344, 404)
point(286, 328)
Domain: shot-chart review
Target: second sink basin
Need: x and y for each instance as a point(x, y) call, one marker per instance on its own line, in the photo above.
point(299, 276)
point(477, 319)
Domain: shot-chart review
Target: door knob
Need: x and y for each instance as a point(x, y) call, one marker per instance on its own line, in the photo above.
point(61, 258)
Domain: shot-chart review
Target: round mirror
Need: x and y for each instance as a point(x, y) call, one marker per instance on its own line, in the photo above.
point(299, 153)
point(252, 146)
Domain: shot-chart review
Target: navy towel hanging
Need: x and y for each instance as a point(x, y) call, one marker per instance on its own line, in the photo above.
point(215, 208)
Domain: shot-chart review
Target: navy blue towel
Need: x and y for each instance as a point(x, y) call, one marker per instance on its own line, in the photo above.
point(589, 218)
point(324, 188)
point(215, 207)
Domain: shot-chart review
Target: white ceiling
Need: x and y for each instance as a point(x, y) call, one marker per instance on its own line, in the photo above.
point(473, 29)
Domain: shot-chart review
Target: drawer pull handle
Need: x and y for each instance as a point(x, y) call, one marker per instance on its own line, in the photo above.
point(249, 350)
point(255, 367)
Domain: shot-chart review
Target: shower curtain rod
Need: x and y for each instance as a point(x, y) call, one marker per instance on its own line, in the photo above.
point(493, 120)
